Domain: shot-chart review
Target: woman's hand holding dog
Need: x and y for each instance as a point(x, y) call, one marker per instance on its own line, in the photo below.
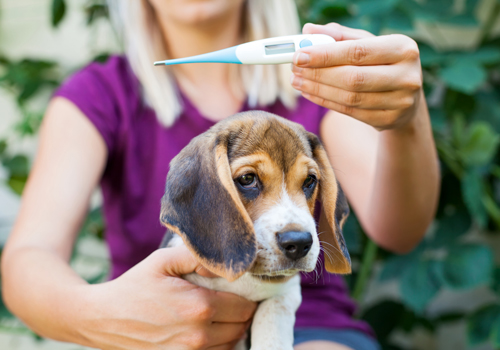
point(151, 307)
point(377, 80)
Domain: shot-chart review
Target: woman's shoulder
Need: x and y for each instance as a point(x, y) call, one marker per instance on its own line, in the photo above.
point(107, 93)
point(112, 74)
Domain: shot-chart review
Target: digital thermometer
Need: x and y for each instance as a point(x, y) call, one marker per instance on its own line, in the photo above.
point(266, 51)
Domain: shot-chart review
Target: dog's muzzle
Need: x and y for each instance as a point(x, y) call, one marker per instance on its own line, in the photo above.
point(295, 244)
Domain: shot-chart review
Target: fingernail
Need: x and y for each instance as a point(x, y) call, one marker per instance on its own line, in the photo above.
point(296, 81)
point(302, 58)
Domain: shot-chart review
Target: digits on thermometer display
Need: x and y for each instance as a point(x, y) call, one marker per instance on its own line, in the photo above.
point(276, 50)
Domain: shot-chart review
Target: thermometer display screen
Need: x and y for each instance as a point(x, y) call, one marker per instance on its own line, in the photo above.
point(279, 48)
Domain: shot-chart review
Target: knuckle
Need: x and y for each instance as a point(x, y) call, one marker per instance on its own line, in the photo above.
point(346, 110)
point(357, 53)
point(352, 98)
point(407, 102)
point(198, 340)
point(326, 57)
point(315, 74)
point(390, 120)
point(198, 310)
point(334, 25)
point(205, 312)
point(315, 89)
point(356, 80)
point(410, 49)
point(413, 82)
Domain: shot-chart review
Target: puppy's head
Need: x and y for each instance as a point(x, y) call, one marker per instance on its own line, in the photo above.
point(242, 197)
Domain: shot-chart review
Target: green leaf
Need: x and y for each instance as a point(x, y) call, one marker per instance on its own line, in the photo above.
point(353, 235)
point(450, 228)
point(17, 183)
point(399, 21)
point(4, 312)
point(472, 191)
point(96, 11)
point(58, 11)
point(374, 7)
point(480, 324)
point(495, 334)
point(479, 144)
point(384, 317)
point(464, 75)
point(419, 284)
point(3, 147)
point(396, 265)
point(488, 109)
point(483, 55)
point(467, 266)
point(17, 165)
point(429, 57)
point(496, 280)
point(98, 278)
point(438, 119)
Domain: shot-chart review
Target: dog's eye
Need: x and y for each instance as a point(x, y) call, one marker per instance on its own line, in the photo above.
point(247, 180)
point(309, 182)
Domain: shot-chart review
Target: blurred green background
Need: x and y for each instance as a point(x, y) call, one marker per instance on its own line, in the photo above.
point(443, 295)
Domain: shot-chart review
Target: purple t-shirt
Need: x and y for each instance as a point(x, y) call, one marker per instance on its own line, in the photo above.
point(139, 153)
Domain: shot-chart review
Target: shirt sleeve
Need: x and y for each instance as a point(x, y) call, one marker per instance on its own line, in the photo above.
point(94, 91)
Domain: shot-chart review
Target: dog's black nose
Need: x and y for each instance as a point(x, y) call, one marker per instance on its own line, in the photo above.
point(295, 244)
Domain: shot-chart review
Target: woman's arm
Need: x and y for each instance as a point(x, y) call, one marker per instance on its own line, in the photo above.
point(390, 177)
point(378, 134)
point(37, 280)
point(148, 305)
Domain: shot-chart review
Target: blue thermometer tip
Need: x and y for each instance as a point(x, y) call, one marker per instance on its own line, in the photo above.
point(222, 56)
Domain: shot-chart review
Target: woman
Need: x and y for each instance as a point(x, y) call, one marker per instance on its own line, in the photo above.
point(120, 123)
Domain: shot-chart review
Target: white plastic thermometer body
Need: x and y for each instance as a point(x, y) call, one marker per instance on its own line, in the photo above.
point(266, 51)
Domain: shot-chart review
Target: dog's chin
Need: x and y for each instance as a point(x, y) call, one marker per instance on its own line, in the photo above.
point(275, 277)
point(281, 275)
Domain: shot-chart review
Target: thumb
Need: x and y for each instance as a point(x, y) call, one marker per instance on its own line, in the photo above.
point(180, 261)
point(336, 31)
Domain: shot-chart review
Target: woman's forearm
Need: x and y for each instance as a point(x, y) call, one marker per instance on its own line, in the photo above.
point(405, 188)
point(44, 292)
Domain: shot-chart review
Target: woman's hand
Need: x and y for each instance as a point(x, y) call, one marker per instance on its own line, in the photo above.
point(377, 80)
point(151, 307)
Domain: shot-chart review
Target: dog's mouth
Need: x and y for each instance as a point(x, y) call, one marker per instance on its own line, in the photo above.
point(272, 278)
point(276, 276)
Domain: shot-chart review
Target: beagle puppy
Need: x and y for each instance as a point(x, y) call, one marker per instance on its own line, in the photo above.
point(241, 197)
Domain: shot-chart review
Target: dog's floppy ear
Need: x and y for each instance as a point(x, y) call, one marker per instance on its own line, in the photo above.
point(202, 205)
point(335, 211)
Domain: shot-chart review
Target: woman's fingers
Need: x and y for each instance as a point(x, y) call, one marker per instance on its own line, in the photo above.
point(379, 119)
point(386, 49)
point(224, 333)
point(336, 31)
point(365, 100)
point(231, 308)
point(229, 346)
point(361, 79)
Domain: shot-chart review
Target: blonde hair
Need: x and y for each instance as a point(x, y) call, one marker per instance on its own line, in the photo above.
point(136, 21)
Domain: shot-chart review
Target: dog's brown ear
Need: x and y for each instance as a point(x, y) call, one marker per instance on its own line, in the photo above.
point(202, 205)
point(335, 211)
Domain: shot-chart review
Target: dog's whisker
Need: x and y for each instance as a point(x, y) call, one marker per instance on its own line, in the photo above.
point(331, 245)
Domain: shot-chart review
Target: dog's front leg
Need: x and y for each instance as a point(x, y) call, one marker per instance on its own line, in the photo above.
point(272, 326)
